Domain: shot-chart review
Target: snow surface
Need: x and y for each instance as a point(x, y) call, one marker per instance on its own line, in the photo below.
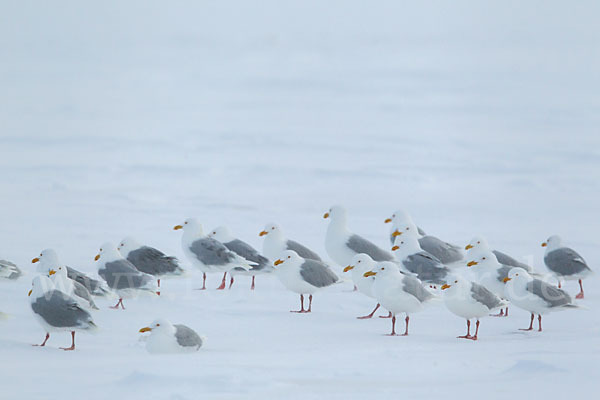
point(124, 118)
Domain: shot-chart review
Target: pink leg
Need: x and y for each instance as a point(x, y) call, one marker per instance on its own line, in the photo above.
point(468, 335)
point(559, 284)
point(386, 316)
point(530, 324)
point(72, 342)
point(252, 286)
point(309, 303)
point(158, 291)
point(580, 295)
point(44, 342)
point(203, 282)
point(406, 330)
point(301, 305)
point(370, 315)
point(476, 331)
point(231, 282)
point(539, 322)
point(500, 314)
point(116, 306)
point(506, 312)
point(223, 282)
point(393, 326)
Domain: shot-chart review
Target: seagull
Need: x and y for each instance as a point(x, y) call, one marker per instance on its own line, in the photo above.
point(360, 264)
point(535, 295)
point(445, 252)
point(303, 276)
point(398, 292)
point(208, 254)
point(149, 260)
point(61, 281)
point(244, 250)
point(56, 311)
point(275, 243)
point(9, 270)
point(490, 273)
point(469, 300)
point(342, 245)
point(168, 338)
point(565, 263)
point(121, 275)
point(419, 262)
point(478, 245)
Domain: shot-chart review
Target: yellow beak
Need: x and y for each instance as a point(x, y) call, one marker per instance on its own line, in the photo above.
point(51, 272)
point(277, 262)
point(177, 227)
point(145, 329)
point(467, 247)
point(445, 286)
point(35, 260)
point(97, 257)
point(29, 294)
point(396, 233)
point(544, 244)
point(348, 268)
point(395, 248)
point(369, 273)
point(506, 279)
point(387, 220)
point(326, 215)
point(471, 263)
point(263, 233)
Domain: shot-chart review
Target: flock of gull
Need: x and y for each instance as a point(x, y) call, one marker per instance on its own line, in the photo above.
point(473, 281)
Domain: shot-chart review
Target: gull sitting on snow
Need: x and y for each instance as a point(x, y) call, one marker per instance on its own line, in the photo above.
point(565, 263)
point(490, 273)
point(275, 243)
point(171, 338)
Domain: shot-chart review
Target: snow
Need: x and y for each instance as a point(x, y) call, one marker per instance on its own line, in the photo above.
point(126, 118)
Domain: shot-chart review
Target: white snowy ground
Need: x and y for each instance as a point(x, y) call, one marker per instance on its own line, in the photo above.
point(123, 119)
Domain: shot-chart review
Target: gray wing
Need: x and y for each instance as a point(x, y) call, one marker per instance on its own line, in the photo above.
point(187, 337)
point(505, 259)
point(302, 250)
point(485, 297)
point(212, 252)
point(413, 286)
point(503, 272)
point(80, 291)
point(393, 238)
point(553, 296)
point(317, 274)
point(248, 252)
point(445, 252)
point(565, 261)
point(358, 244)
point(121, 274)
point(427, 268)
point(154, 262)
point(61, 311)
point(93, 285)
point(12, 271)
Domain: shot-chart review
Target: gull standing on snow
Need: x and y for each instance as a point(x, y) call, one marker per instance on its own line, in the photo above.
point(398, 292)
point(9, 270)
point(469, 300)
point(402, 223)
point(242, 249)
point(275, 243)
point(535, 295)
point(149, 260)
point(478, 245)
point(342, 245)
point(121, 275)
point(490, 273)
point(565, 263)
point(417, 261)
point(303, 276)
point(360, 264)
point(208, 254)
point(56, 311)
point(171, 338)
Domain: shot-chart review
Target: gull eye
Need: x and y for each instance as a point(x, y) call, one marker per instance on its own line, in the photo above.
point(517, 275)
point(185, 223)
point(456, 281)
point(214, 233)
point(393, 215)
point(273, 228)
point(382, 269)
point(401, 242)
point(100, 249)
point(157, 324)
point(289, 256)
point(483, 258)
point(478, 242)
point(407, 228)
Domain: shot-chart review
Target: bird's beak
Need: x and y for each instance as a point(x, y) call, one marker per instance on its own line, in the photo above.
point(177, 227)
point(277, 262)
point(395, 248)
point(51, 272)
point(369, 273)
point(97, 257)
point(544, 244)
point(445, 286)
point(29, 294)
point(387, 220)
point(471, 263)
point(326, 215)
point(396, 233)
point(348, 268)
point(35, 260)
point(467, 247)
point(145, 329)
point(263, 233)
point(506, 279)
